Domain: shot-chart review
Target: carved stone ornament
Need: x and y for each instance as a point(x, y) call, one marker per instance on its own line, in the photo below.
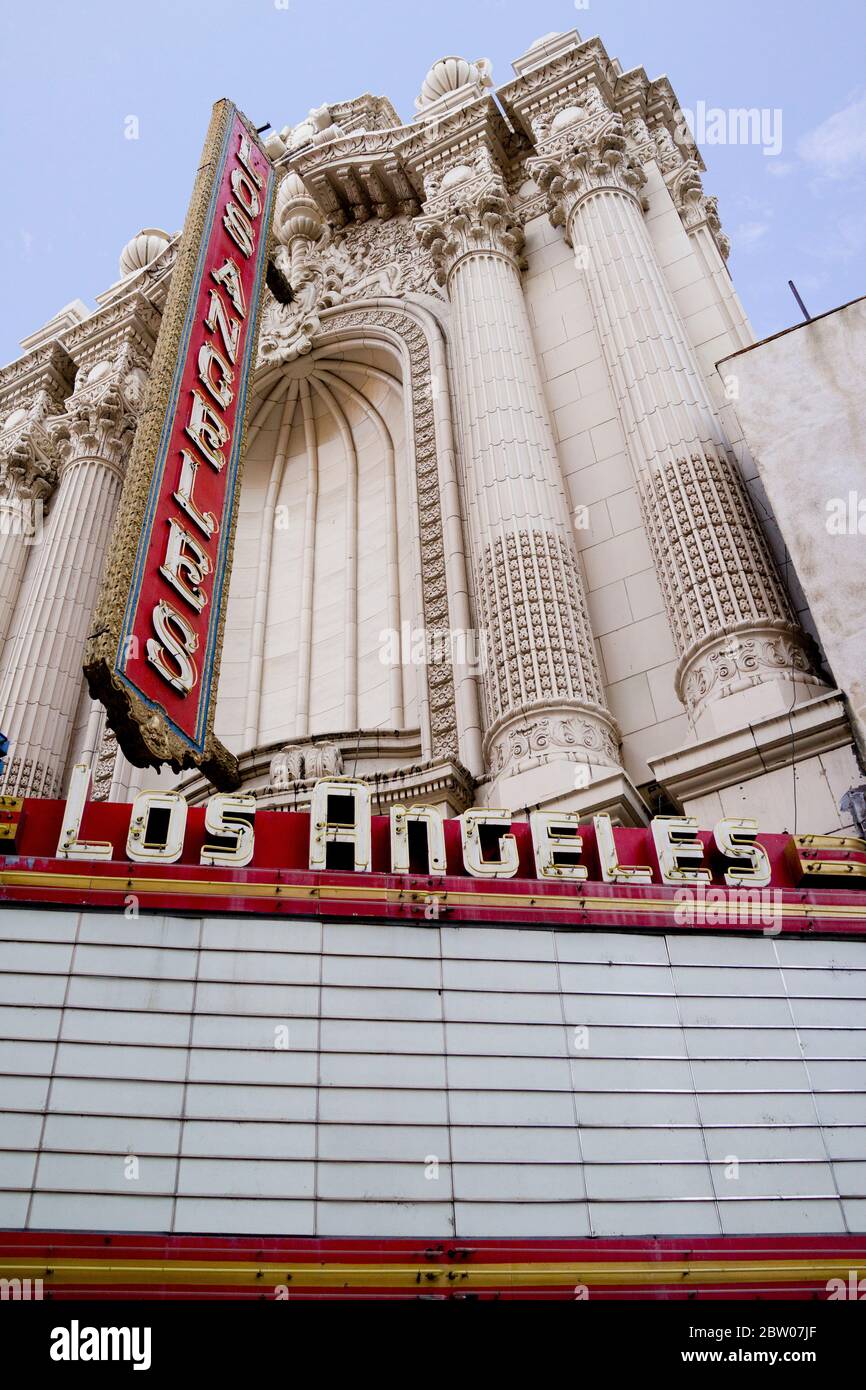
point(695, 208)
point(28, 463)
point(103, 770)
point(101, 415)
point(571, 732)
point(741, 658)
point(484, 222)
point(299, 762)
point(364, 261)
point(582, 163)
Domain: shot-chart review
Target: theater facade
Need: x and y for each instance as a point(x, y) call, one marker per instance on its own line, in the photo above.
point(509, 938)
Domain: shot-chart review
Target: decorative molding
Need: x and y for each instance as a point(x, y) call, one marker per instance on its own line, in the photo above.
point(694, 207)
point(104, 763)
point(742, 657)
point(298, 762)
point(101, 416)
point(591, 158)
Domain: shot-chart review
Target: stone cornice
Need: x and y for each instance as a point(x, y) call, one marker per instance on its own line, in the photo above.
point(48, 368)
point(135, 306)
point(28, 456)
point(566, 67)
point(101, 414)
point(469, 145)
point(357, 176)
point(131, 324)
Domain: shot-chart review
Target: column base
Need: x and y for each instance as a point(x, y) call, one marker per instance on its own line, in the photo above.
point(789, 771)
point(552, 788)
point(745, 675)
point(559, 755)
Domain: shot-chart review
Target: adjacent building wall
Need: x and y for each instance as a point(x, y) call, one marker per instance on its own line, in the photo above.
point(800, 403)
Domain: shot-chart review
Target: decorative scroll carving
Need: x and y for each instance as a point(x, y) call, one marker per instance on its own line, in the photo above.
point(743, 657)
point(695, 208)
point(101, 416)
point(581, 163)
point(546, 733)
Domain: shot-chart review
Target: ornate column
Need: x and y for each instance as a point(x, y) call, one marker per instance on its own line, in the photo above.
point(35, 387)
point(543, 696)
point(743, 655)
point(41, 679)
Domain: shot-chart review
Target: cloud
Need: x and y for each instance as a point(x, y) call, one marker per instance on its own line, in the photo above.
point(837, 147)
point(779, 169)
point(748, 234)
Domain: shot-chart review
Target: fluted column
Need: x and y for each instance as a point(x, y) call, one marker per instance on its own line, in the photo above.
point(41, 677)
point(543, 695)
point(742, 652)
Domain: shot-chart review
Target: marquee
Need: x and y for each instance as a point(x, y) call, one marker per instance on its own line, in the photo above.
point(339, 859)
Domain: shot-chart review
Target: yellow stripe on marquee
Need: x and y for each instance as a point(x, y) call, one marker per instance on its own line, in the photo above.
point(351, 1275)
point(733, 910)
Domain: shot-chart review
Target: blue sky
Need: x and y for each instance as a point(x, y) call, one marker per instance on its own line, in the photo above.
point(76, 189)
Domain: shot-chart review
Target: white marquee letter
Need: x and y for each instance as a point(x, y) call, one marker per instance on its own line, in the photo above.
point(471, 823)
point(557, 841)
point(355, 832)
point(736, 839)
point(611, 869)
point(401, 818)
point(145, 851)
point(69, 846)
point(230, 817)
point(676, 840)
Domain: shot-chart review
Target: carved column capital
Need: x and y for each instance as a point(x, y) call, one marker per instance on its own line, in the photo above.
point(101, 415)
point(28, 463)
point(577, 164)
point(481, 222)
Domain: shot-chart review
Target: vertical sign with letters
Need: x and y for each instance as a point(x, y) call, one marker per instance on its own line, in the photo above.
point(154, 652)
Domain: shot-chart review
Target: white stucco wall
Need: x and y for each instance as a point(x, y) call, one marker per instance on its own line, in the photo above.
point(801, 409)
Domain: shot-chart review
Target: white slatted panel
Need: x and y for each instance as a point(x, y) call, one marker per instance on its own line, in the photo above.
point(410, 1046)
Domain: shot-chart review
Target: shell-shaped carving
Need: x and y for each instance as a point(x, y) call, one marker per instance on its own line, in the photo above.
point(446, 75)
point(144, 247)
